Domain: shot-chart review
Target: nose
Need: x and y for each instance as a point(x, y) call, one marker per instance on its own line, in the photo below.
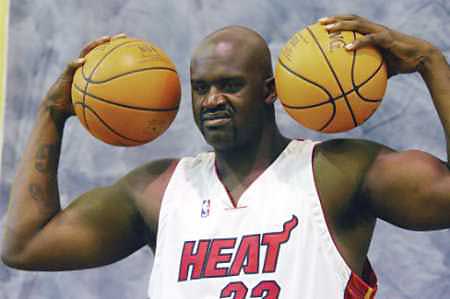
point(213, 99)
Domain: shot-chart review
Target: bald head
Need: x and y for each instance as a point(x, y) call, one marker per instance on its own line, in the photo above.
point(236, 42)
point(233, 88)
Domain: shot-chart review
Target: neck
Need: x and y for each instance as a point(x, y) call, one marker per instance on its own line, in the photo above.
point(246, 162)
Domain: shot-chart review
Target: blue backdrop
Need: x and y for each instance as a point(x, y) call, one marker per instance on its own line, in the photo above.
point(46, 34)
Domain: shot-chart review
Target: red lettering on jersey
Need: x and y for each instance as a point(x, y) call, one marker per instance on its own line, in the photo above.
point(204, 262)
point(196, 260)
point(216, 256)
point(273, 242)
point(237, 289)
point(267, 288)
point(248, 253)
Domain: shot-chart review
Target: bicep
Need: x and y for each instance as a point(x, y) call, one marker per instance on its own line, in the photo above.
point(98, 228)
point(410, 189)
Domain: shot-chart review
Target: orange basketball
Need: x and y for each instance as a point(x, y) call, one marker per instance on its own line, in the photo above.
point(325, 87)
point(127, 92)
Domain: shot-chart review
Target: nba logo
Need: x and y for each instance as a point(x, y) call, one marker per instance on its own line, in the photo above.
point(205, 208)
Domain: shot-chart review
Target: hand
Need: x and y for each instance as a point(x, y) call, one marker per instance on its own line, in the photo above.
point(403, 53)
point(58, 99)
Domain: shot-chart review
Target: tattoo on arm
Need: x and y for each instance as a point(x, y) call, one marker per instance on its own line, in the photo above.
point(44, 161)
point(50, 208)
point(36, 192)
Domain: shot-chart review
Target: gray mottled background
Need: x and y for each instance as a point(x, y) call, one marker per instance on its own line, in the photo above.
point(45, 34)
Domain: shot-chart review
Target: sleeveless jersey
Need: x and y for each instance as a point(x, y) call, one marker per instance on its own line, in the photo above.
point(275, 244)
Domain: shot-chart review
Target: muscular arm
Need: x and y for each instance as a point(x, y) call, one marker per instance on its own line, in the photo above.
point(412, 188)
point(34, 198)
point(101, 226)
point(98, 228)
point(435, 72)
point(409, 189)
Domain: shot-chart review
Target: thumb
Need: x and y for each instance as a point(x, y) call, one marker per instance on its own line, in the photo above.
point(70, 69)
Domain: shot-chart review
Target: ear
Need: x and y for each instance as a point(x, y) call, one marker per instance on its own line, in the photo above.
point(270, 93)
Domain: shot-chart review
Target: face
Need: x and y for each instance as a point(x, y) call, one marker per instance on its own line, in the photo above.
point(227, 96)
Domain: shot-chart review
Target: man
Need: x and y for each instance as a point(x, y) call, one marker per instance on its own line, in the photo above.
point(245, 221)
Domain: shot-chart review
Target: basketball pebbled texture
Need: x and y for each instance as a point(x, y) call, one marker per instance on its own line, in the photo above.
point(323, 86)
point(127, 92)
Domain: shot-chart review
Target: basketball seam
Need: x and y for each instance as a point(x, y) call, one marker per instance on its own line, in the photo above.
point(334, 75)
point(330, 98)
point(106, 125)
point(103, 58)
point(318, 85)
point(340, 97)
point(355, 87)
point(304, 78)
point(83, 110)
point(127, 73)
point(123, 105)
point(92, 73)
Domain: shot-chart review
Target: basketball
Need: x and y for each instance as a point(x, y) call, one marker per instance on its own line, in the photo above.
point(325, 87)
point(127, 92)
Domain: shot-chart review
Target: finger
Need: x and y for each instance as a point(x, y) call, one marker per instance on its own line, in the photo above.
point(375, 39)
point(71, 68)
point(117, 36)
point(361, 26)
point(334, 19)
point(87, 48)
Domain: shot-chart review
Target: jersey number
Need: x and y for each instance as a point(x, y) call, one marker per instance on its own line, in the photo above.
point(267, 288)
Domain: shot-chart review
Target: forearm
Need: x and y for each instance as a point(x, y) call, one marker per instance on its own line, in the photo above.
point(34, 197)
point(435, 72)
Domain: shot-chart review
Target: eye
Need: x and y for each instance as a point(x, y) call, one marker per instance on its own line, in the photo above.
point(200, 87)
point(231, 85)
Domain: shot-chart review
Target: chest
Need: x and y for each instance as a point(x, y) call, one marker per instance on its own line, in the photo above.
point(201, 206)
point(270, 224)
point(276, 224)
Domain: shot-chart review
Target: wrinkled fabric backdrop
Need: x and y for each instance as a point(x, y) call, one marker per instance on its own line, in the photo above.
point(46, 34)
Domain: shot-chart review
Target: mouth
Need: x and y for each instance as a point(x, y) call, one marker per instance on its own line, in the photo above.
point(215, 119)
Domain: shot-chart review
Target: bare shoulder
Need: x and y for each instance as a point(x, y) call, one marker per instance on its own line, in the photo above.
point(341, 166)
point(364, 180)
point(409, 189)
point(140, 178)
point(374, 159)
point(348, 159)
point(351, 149)
point(145, 186)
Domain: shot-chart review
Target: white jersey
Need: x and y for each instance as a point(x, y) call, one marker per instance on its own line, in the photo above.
point(275, 244)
